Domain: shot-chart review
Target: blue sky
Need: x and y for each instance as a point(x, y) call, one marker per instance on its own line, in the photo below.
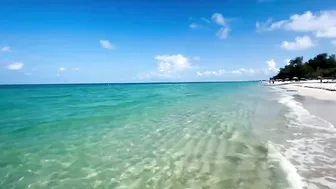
point(168, 40)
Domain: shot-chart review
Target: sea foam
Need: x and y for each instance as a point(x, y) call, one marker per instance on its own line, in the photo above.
point(310, 145)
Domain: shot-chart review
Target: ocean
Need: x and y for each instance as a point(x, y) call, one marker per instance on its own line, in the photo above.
point(228, 135)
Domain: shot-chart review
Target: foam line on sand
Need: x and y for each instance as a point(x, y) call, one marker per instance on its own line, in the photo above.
point(312, 92)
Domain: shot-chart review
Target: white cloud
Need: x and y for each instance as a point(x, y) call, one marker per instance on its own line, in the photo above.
point(269, 25)
point(15, 66)
point(211, 73)
point(219, 19)
point(264, 26)
point(157, 75)
point(221, 72)
point(194, 26)
point(205, 20)
point(278, 25)
point(271, 64)
point(237, 72)
point(61, 69)
point(300, 43)
point(176, 62)
point(106, 44)
point(287, 61)
point(321, 24)
point(199, 73)
point(333, 42)
point(271, 69)
point(329, 33)
point(6, 49)
point(223, 32)
point(164, 67)
point(244, 71)
point(75, 69)
point(169, 66)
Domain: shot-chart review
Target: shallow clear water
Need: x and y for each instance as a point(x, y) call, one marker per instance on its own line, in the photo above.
point(187, 135)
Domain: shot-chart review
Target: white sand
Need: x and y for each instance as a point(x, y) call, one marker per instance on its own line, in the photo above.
point(309, 83)
point(325, 86)
point(315, 92)
point(312, 88)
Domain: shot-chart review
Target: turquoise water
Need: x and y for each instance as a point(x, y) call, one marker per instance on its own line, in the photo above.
point(137, 136)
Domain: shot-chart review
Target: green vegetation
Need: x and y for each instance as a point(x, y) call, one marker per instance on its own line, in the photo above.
point(322, 65)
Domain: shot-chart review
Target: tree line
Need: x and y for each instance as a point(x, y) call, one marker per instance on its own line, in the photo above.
point(322, 65)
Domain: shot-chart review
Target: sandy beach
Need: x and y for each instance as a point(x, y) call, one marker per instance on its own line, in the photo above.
point(309, 90)
point(316, 98)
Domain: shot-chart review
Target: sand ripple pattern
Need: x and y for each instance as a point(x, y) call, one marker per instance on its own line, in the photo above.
point(169, 136)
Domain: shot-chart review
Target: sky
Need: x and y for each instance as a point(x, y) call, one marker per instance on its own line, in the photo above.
point(110, 41)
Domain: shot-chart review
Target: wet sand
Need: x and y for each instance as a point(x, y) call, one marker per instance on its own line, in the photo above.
point(318, 102)
point(324, 109)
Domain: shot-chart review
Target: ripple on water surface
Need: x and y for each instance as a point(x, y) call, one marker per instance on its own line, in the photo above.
point(135, 137)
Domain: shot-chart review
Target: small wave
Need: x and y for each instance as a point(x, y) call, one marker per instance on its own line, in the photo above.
point(311, 151)
point(298, 113)
point(293, 178)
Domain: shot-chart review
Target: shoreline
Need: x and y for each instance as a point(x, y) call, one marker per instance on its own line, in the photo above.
point(319, 102)
point(312, 145)
point(311, 91)
point(322, 108)
point(328, 85)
